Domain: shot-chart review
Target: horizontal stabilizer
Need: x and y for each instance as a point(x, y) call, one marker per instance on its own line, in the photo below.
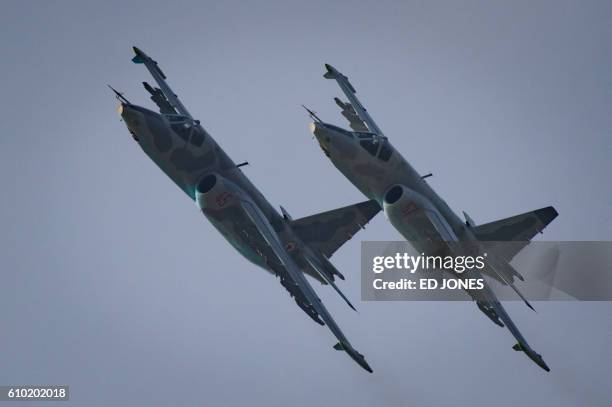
point(327, 231)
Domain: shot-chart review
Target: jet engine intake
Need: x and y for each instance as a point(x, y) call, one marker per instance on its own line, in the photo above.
point(415, 216)
point(214, 192)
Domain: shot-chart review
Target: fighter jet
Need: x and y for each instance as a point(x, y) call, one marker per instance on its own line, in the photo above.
point(366, 157)
point(178, 144)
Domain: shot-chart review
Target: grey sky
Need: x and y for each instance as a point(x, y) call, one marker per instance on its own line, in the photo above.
point(114, 284)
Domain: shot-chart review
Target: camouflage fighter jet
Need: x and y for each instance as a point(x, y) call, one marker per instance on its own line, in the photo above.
point(366, 157)
point(287, 248)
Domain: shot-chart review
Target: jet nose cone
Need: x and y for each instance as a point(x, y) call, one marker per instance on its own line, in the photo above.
point(127, 113)
point(318, 130)
point(322, 136)
point(120, 108)
point(123, 109)
point(130, 118)
point(312, 126)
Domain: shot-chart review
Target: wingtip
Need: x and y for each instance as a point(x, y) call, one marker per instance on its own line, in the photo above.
point(331, 72)
point(547, 215)
point(139, 56)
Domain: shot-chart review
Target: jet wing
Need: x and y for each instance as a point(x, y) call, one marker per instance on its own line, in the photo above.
point(297, 285)
point(519, 229)
point(349, 91)
point(327, 231)
point(160, 78)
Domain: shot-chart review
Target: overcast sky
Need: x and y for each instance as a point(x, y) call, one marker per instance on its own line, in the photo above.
point(114, 284)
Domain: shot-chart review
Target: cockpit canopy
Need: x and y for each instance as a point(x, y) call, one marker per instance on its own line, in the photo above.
point(365, 135)
point(340, 130)
point(176, 118)
point(375, 145)
point(372, 143)
point(186, 129)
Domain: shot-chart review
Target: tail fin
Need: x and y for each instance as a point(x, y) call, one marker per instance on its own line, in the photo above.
point(327, 231)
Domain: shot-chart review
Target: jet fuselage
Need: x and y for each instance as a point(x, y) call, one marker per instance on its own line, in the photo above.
point(196, 163)
point(381, 173)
